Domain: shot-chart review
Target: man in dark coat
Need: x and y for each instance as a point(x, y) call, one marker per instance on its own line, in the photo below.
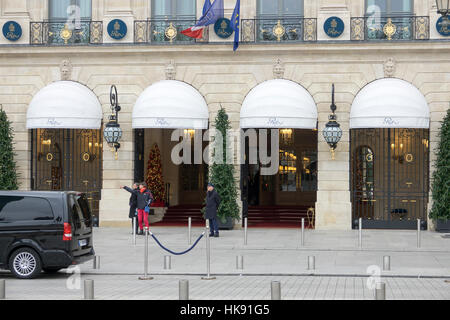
point(212, 205)
point(133, 207)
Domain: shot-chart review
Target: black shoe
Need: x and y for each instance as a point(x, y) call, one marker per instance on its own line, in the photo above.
point(211, 234)
point(140, 233)
point(216, 235)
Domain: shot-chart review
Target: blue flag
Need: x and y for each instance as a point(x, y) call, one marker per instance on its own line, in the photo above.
point(211, 15)
point(206, 6)
point(235, 23)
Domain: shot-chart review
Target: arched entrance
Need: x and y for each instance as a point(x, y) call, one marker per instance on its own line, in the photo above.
point(284, 108)
point(389, 155)
point(64, 119)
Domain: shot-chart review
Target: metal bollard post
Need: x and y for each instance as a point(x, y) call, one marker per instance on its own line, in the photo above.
point(360, 233)
point(189, 230)
point(418, 233)
point(311, 262)
point(386, 263)
point(208, 257)
point(245, 230)
point(2, 289)
point(183, 288)
point(303, 232)
point(167, 262)
point(88, 289)
point(134, 230)
point(240, 262)
point(96, 262)
point(380, 291)
point(275, 289)
point(146, 276)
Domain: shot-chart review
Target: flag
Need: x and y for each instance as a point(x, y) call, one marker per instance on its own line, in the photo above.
point(211, 15)
point(206, 6)
point(235, 24)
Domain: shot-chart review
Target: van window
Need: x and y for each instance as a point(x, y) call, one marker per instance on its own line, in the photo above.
point(79, 209)
point(15, 208)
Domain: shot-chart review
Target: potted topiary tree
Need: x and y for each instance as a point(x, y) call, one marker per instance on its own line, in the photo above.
point(8, 174)
point(440, 211)
point(222, 175)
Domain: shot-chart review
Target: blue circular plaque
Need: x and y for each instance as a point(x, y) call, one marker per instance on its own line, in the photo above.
point(443, 26)
point(222, 28)
point(12, 30)
point(117, 29)
point(334, 27)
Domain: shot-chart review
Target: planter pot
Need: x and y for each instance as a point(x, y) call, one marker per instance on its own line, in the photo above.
point(443, 226)
point(228, 225)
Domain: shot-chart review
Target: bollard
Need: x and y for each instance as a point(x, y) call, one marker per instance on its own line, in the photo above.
point(134, 230)
point(380, 291)
point(245, 230)
point(96, 262)
point(146, 276)
point(183, 286)
point(240, 262)
point(311, 262)
point(275, 289)
point(88, 289)
point(167, 262)
point(208, 257)
point(360, 233)
point(2, 289)
point(303, 232)
point(386, 263)
point(189, 230)
point(418, 233)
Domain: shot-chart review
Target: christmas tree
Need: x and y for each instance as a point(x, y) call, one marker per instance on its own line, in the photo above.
point(154, 179)
point(441, 176)
point(8, 175)
point(222, 174)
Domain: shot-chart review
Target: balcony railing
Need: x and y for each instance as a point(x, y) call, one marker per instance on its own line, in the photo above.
point(61, 33)
point(395, 28)
point(279, 30)
point(165, 31)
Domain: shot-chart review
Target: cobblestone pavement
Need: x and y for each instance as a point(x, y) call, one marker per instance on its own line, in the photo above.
point(224, 288)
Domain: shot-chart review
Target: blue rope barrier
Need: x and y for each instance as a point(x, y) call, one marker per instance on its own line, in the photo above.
point(177, 253)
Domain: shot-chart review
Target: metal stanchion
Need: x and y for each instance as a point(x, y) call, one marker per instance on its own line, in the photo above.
point(275, 290)
point(2, 289)
point(208, 257)
point(240, 262)
point(189, 230)
point(386, 263)
point(88, 289)
point(360, 233)
point(146, 276)
point(418, 233)
point(167, 263)
point(380, 291)
point(245, 230)
point(96, 262)
point(311, 262)
point(303, 232)
point(134, 230)
point(183, 286)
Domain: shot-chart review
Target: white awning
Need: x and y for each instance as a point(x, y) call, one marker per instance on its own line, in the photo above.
point(279, 104)
point(64, 105)
point(170, 104)
point(389, 103)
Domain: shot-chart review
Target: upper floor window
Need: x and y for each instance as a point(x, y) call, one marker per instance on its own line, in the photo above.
point(277, 8)
point(389, 7)
point(63, 9)
point(181, 9)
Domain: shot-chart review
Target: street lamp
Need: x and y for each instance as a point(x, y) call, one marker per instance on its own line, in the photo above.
point(112, 132)
point(332, 132)
point(443, 7)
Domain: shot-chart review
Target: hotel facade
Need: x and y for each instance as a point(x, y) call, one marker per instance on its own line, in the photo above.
point(388, 60)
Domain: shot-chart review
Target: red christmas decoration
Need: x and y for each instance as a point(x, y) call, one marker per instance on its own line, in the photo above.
point(154, 179)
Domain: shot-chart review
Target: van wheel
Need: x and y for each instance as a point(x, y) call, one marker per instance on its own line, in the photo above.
point(25, 263)
point(51, 270)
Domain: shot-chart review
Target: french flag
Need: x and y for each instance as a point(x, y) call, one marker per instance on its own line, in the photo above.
point(211, 13)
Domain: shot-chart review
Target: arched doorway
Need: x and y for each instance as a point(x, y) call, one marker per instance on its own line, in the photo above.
point(389, 155)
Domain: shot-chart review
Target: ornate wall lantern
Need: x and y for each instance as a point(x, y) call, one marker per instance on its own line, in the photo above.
point(443, 7)
point(113, 132)
point(332, 132)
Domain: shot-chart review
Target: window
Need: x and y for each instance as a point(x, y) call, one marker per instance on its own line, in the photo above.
point(273, 8)
point(389, 7)
point(180, 9)
point(57, 9)
point(14, 208)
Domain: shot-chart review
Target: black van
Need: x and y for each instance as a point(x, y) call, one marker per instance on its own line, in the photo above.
point(44, 230)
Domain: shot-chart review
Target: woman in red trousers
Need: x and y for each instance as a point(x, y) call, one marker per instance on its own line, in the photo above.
point(144, 199)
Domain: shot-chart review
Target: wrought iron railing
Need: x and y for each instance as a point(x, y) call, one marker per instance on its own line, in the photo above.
point(394, 28)
point(165, 31)
point(279, 30)
point(62, 33)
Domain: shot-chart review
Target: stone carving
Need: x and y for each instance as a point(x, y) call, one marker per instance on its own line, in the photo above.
point(171, 70)
point(389, 67)
point(278, 70)
point(66, 69)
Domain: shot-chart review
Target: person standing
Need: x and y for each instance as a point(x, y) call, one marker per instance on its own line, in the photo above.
point(133, 207)
point(212, 205)
point(144, 199)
